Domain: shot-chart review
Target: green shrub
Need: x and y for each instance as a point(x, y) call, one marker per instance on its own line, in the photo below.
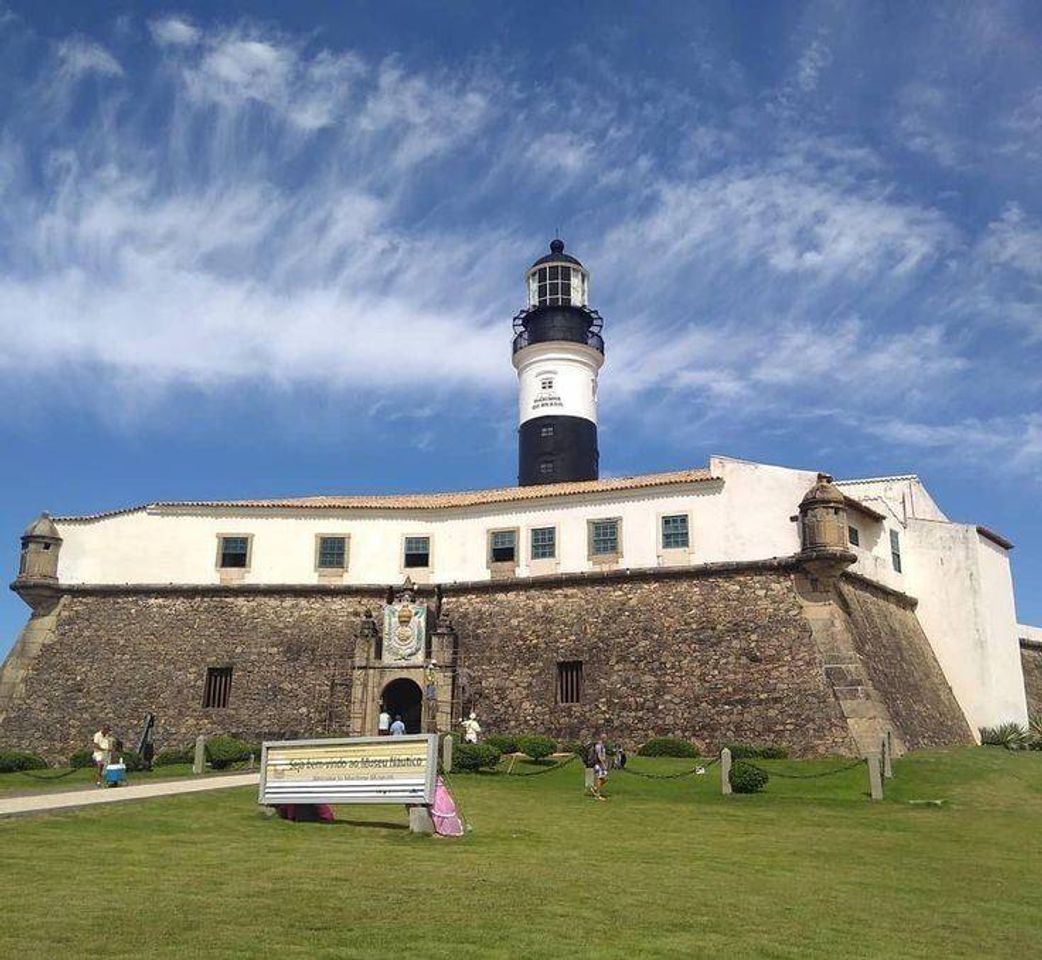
point(503, 742)
point(167, 758)
point(535, 746)
point(1010, 735)
point(757, 751)
point(222, 751)
point(747, 779)
point(472, 757)
point(82, 758)
point(573, 746)
point(1035, 733)
point(11, 761)
point(132, 760)
point(668, 747)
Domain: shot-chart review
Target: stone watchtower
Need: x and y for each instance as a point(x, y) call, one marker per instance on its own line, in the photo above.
point(825, 547)
point(38, 567)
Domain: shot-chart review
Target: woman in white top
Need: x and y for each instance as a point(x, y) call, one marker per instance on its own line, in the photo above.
point(102, 752)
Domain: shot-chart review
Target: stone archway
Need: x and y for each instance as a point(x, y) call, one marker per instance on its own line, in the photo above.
point(404, 698)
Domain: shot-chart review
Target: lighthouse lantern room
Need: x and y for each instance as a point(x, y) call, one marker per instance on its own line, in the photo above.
point(558, 351)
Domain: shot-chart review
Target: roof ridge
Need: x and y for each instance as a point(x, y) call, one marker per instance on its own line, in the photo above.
point(431, 500)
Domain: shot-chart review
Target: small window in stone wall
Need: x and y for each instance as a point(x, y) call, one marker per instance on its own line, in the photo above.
point(570, 681)
point(218, 687)
point(854, 536)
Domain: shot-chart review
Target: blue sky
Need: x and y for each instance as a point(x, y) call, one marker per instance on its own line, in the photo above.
point(274, 248)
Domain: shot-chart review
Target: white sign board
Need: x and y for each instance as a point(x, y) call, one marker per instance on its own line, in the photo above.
point(350, 770)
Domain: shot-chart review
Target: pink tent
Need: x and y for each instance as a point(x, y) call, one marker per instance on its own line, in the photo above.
point(447, 821)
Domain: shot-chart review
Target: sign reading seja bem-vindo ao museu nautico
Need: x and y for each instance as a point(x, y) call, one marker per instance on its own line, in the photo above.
point(350, 770)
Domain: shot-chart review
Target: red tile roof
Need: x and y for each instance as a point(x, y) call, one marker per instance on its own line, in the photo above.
point(432, 501)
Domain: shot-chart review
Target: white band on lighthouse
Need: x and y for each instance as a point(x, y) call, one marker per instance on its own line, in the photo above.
point(557, 379)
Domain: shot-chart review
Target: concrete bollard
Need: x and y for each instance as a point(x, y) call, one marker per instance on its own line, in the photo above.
point(199, 763)
point(725, 772)
point(888, 770)
point(589, 779)
point(875, 779)
point(446, 753)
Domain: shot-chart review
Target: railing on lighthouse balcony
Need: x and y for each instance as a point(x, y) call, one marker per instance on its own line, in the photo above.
point(545, 324)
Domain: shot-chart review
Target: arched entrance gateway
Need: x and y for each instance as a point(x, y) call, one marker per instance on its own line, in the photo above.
point(404, 698)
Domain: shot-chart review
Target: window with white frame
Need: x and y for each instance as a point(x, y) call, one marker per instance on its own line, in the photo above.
point(675, 532)
point(503, 546)
point(604, 537)
point(544, 543)
point(332, 553)
point(417, 552)
point(234, 553)
point(895, 550)
point(554, 285)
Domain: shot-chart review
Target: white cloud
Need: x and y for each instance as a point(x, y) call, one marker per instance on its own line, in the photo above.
point(814, 60)
point(172, 31)
point(79, 56)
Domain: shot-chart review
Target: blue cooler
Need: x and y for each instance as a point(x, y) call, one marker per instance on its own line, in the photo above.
point(115, 775)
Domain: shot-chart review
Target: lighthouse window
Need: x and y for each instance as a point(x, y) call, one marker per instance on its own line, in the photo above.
point(895, 550)
point(233, 552)
point(604, 537)
point(674, 532)
point(417, 551)
point(547, 383)
point(544, 543)
point(546, 467)
point(503, 546)
point(554, 285)
point(547, 431)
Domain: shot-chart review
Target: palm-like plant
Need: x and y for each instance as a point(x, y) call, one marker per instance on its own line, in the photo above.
point(1010, 735)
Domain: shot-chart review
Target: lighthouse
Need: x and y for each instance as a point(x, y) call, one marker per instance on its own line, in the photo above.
point(558, 352)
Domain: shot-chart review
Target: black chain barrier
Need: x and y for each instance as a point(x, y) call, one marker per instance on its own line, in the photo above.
point(670, 776)
point(803, 776)
point(57, 776)
point(539, 773)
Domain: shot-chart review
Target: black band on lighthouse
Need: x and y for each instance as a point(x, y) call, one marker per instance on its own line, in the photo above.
point(557, 450)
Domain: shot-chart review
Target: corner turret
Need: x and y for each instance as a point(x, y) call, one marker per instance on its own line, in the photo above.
point(38, 566)
point(825, 548)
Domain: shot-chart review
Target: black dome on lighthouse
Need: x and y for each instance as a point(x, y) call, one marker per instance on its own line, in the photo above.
point(556, 255)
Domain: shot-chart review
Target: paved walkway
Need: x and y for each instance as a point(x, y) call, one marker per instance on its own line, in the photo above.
point(41, 803)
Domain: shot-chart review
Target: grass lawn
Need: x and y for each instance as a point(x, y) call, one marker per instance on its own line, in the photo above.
point(809, 868)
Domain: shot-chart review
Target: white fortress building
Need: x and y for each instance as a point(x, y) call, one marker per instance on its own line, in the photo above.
point(710, 530)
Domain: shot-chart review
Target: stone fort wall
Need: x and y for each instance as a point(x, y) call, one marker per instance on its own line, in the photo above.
point(717, 653)
point(1031, 661)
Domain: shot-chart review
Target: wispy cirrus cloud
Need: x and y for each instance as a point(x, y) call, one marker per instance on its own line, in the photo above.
point(272, 210)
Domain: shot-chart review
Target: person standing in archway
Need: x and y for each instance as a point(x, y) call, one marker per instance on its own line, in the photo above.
point(383, 722)
point(397, 728)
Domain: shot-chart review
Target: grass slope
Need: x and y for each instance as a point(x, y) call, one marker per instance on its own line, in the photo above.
point(665, 869)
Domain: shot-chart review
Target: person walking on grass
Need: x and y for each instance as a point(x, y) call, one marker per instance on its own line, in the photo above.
point(102, 754)
point(597, 760)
